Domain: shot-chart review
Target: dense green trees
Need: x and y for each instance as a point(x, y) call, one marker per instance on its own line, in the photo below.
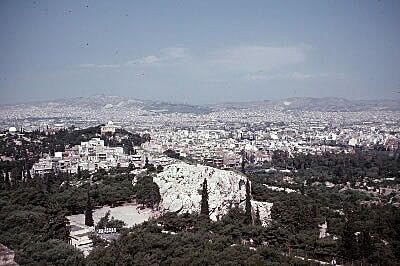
point(197, 241)
point(360, 224)
point(147, 192)
point(172, 154)
point(107, 222)
point(32, 215)
point(341, 167)
point(35, 227)
point(51, 252)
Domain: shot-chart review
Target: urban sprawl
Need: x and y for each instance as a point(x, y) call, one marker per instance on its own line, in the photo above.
point(221, 138)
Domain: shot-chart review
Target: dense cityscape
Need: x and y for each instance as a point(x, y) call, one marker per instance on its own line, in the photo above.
point(199, 133)
point(282, 152)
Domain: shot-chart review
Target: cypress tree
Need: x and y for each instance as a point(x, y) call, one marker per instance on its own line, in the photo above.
point(367, 247)
point(49, 182)
point(243, 165)
point(8, 181)
point(89, 212)
point(204, 200)
point(348, 242)
point(28, 175)
point(67, 180)
point(3, 180)
point(302, 190)
point(257, 218)
point(248, 217)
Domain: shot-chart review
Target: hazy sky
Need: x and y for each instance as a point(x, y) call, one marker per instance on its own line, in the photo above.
point(199, 51)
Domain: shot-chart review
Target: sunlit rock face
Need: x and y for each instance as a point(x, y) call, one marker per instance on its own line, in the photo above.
point(264, 209)
point(181, 186)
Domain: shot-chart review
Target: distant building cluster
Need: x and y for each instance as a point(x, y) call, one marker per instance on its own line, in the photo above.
point(223, 137)
point(91, 155)
point(227, 148)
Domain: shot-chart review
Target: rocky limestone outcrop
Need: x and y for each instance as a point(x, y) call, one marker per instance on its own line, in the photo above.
point(181, 186)
point(7, 256)
point(264, 209)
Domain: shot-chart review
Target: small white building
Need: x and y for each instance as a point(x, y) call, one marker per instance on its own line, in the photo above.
point(323, 228)
point(109, 128)
point(79, 237)
point(353, 142)
point(12, 130)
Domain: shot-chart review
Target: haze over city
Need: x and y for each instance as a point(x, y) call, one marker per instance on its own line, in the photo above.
point(199, 52)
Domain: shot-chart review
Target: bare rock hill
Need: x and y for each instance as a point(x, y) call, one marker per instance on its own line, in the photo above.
point(181, 186)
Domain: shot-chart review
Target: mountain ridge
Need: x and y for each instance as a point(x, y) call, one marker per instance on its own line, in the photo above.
point(327, 104)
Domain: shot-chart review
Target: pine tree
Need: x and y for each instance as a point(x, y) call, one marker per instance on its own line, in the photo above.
point(56, 225)
point(155, 196)
point(204, 200)
point(89, 212)
point(248, 219)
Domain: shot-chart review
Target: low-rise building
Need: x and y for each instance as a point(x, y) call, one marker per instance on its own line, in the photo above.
point(79, 237)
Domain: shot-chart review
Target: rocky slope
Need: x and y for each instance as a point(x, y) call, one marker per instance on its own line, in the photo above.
point(181, 185)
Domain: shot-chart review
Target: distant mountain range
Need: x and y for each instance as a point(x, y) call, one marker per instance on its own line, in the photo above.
point(104, 102)
point(327, 104)
point(339, 104)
